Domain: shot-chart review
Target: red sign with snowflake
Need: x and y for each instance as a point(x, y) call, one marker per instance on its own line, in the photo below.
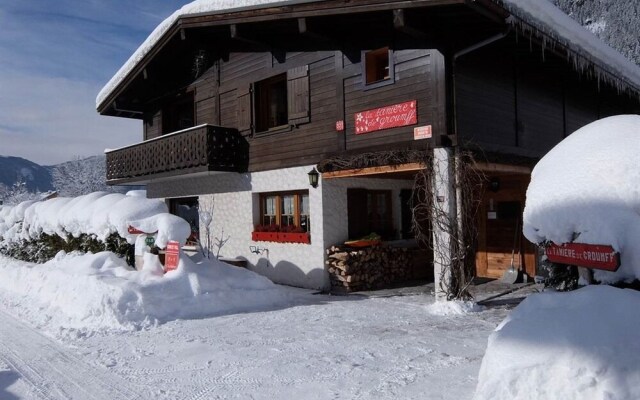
point(402, 114)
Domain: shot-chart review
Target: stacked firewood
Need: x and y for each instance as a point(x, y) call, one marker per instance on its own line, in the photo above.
point(353, 269)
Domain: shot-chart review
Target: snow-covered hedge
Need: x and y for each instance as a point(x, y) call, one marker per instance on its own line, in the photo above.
point(41, 228)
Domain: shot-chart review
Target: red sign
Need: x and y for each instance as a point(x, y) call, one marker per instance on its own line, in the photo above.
point(171, 256)
point(595, 256)
point(339, 125)
point(422, 132)
point(134, 231)
point(387, 117)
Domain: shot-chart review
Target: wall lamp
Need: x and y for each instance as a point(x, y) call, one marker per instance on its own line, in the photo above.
point(314, 175)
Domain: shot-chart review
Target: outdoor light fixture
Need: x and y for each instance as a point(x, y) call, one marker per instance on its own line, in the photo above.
point(313, 177)
point(494, 184)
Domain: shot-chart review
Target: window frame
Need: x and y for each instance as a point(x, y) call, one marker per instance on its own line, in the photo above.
point(391, 65)
point(261, 99)
point(297, 194)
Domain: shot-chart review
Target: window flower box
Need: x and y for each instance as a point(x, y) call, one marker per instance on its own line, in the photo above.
point(281, 237)
point(264, 236)
point(294, 237)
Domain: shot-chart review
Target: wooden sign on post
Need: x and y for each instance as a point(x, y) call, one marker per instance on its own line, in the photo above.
point(393, 116)
point(172, 256)
point(595, 256)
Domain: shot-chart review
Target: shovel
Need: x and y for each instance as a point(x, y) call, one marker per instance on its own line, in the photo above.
point(513, 275)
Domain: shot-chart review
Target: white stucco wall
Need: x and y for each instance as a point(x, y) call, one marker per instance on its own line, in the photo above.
point(235, 200)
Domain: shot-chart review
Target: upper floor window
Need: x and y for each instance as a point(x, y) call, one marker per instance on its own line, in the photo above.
point(280, 101)
point(178, 115)
point(378, 67)
point(271, 103)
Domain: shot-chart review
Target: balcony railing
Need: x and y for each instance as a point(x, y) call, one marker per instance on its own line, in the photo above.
point(199, 149)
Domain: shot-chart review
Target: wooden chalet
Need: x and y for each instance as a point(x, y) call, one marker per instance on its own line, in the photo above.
point(240, 105)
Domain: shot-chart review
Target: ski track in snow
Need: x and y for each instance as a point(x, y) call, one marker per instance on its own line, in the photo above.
point(50, 370)
point(325, 347)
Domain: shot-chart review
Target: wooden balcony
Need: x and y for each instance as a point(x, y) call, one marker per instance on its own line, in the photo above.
point(199, 149)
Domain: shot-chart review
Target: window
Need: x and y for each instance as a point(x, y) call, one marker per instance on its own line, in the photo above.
point(271, 103)
point(274, 104)
point(178, 115)
point(369, 211)
point(378, 67)
point(286, 212)
point(187, 209)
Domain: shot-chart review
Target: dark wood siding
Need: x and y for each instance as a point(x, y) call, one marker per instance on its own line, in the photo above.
point(152, 125)
point(540, 100)
point(228, 100)
point(581, 105)
point(417, 75)
point(485, 99)
point(205, 112)
point(306, 143)
point(517, 99)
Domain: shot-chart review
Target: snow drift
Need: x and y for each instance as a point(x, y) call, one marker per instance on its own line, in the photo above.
point(587, 189)
point(577, 345)
point(99, 292)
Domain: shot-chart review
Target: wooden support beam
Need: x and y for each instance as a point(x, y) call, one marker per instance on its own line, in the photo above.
point(504, 168)
point(183, 34)
point(384, 170)
point(303, 29)
point(400, 24)
point(234, 30)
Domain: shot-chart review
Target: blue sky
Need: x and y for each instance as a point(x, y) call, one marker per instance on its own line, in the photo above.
point(55, 56)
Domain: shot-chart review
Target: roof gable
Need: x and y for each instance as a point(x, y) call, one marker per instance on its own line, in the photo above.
point(539, 18)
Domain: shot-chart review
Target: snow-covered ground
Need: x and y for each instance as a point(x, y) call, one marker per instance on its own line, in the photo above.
point(310, 346)
point(577, 345)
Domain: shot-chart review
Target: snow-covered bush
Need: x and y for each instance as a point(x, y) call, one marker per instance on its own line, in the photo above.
point(36, 231)
point(586, 189)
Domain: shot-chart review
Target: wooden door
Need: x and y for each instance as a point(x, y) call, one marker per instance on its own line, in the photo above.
point(500, 240)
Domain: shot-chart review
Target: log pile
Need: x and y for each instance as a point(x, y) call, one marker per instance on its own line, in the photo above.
point(352, 269)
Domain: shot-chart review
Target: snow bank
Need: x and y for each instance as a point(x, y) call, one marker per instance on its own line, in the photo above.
point(97, 292)
point(98, 214)
point(589, 185)
point(577, 345)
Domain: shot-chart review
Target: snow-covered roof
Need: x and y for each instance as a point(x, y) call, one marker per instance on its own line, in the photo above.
point(542, 17)
point(195, 7)
point(535, 16)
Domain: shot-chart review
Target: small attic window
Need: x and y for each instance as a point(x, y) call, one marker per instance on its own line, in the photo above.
point(378, 68)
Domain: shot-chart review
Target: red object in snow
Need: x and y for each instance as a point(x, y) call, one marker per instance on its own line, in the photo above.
point(387, 117)
point(596, 256)
point(134, 231)
point(172, 256)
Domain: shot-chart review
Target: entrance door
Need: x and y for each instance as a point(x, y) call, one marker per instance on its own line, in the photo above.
point(500, 240)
